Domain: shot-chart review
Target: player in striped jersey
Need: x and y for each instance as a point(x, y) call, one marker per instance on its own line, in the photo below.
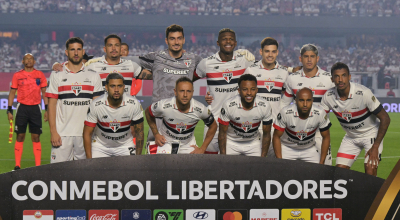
point(179, 116)
point(70, 93)
point(358, 111)
point(110, 117)
point(240, 118)
point(270, 78)
point(296, 127)
point(313, 77)
point(222, 71)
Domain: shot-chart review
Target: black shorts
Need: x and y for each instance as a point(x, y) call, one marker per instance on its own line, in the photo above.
point(31, 114)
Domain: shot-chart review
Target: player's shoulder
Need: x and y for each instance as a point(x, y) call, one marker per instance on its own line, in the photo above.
point(282, 68)
point(288, 110)
point(198, 104)
point(317, 110)
point(360, 89)
point(232, 102)
point(99, 101)
point(260, 102)
point(324, 73)
point(210, 58)
point(165, 104)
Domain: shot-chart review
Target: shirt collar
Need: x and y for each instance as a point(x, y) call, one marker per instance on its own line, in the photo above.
point(260, 64)
point(351, 92)
point(296, 112)
point(103, 59)
point(123, 103)
point(317, 74)
point(219, 58)
point(173, 102)
point(69, 71)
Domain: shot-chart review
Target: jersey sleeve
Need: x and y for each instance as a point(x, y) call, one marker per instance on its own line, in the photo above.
point(137, 116)
point(207, 116)
point(287, 98)
point(155, 109)
point(43, 80)
point(98, 87)
point(147, 61)
point(201, 69)
point(14, 82)
point(52, 88)
point(325, 122)
point(280, 123)
point(224, 116)
point(136, 69)
point(324, 102)
point(372, 103)
point(91, 117)
point(267, 119)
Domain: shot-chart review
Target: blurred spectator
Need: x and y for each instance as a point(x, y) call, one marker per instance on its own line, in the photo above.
point(390, 93)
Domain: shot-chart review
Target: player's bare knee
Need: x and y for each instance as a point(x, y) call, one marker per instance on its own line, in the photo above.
point(21, 137)
point(35, 137)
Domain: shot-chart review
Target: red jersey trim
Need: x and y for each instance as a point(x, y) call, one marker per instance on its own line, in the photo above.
point(288, 95)
point(240, 125)
point(316, 91)
point(279, 128)
point(51, 95)
point(69, 88)
point(261, 83)
point(353, 114)
point(347, 156)
point(90, 124)
point(220, 74)
point(107, 124)
point(127, 74)
point(151, 113)
point(223, 122)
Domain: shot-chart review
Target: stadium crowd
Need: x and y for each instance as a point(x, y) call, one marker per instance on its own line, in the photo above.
point(384, 8)
point(361, 58)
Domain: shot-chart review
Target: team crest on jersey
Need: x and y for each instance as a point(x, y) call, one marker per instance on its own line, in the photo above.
point(181, 127)
point(246, 126)
point(76, 90)
point(346, 116)
point(187, 62)
point(115, 125)
point(227, 76)
point(301, 134)
point(269, 85)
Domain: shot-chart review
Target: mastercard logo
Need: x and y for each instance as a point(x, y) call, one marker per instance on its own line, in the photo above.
point(232, 216)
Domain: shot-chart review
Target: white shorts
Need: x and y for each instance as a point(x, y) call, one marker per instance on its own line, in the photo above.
point(71, 149)
point(247, 148)
point(213, 147)
point(99, 150)
point(309, 155)
point(350, 148)
point(318, 144)
point(171, 148)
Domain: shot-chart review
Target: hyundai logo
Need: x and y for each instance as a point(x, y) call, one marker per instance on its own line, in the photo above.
point(200, 215)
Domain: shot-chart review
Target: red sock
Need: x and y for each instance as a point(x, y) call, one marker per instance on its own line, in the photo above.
point(37, 151)
point(18, 147)
point(134, 141)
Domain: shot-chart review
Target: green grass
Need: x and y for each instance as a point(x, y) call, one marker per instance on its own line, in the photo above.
point(390, 155)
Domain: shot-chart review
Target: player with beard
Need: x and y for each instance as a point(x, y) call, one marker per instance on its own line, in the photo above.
point(222, 71)
point(361, 115)
point(70, 93)
point(110, 117)
point(240, 118)
point(310, 76)
point(179, 116)
point(296, 127)
point(30, 83)
point(270, 78)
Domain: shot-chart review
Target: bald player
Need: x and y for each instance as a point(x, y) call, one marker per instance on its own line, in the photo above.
point(31, 85)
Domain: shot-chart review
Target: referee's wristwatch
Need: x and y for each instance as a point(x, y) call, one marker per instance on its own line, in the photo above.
point(9, 110)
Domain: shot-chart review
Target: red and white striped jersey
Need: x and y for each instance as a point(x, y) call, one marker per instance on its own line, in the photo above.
point(74, 93)
point(243, 124)
point(222, 78)
point(127, 68)
point(356, 114)
point(270, 83)
point(178, 126)
point(300, 133)
point(319, 84)
point(112, 125)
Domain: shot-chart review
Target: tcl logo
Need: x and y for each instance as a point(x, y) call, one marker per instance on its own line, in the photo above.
point(103, 214)
point(327, 214)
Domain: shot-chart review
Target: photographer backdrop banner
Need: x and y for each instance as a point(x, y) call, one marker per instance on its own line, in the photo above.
point(184, 182)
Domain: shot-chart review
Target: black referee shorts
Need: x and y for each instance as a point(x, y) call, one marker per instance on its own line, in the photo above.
point(28, 114)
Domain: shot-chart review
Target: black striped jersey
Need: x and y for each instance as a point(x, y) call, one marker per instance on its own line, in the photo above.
point(112, 125)
point(222, 78)
point(319, 84)
point(300, 133)
point(243, 124)
point(270, 83)
point(74, 93)
point(127, 68)
point(166, 70)
point(178, 126)
point(357, 114)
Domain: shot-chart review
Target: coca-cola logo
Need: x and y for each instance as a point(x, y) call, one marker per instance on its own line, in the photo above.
point(104, 217)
